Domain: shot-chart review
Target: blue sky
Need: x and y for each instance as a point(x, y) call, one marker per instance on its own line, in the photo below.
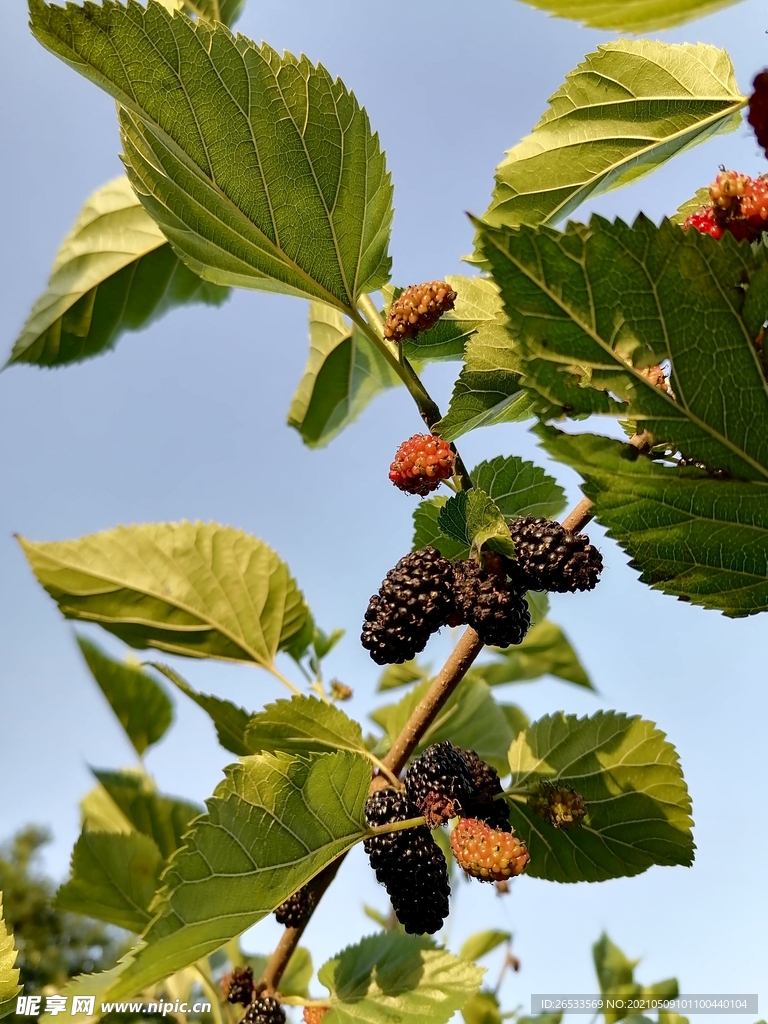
point(187, 420)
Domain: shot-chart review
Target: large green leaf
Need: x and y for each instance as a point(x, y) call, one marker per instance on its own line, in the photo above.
point(488, 390)
point(631, 15)
point(141, 705)
point(9, 974)
point(114, 272)
point(201, 590)
point(229, 876)
point(595, 305)
point(261, 170)
point(229, 720)
point(471, 719)
point(545, 651)
point(343, 373)
point(699, 538)
point(164, 819)
point(114, 878)
point(389, 978)
point(638, 808)
point(628, 108)
point(303, 725)
point(519, 488)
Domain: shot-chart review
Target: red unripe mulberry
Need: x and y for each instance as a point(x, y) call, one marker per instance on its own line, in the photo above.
point(421, 463)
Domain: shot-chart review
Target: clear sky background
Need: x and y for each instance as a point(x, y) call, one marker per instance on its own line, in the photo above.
point(187, 420)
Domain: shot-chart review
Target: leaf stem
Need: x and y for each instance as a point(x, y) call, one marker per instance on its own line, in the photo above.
point(371, 325)
point(384, 770)
point(285, 681)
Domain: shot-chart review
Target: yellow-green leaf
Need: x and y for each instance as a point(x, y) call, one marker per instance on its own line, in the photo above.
point(200, 590)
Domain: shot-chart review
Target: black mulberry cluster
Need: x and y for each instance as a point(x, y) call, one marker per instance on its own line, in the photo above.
point(487, 785)
point(295, 911)
point(409, 864)
point(414, 601)
point(547, 557)
point(238, 986)
point(495, 608)
point(264, 1010)
point(439, 783)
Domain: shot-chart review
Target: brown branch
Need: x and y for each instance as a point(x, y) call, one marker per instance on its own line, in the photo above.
point(578, 517)
point(443, 685)
point(426, 711)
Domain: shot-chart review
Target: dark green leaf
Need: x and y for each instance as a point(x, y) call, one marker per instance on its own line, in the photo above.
point(427, 530)
point(638, 808)
point(473, 518)
point(488, 390)
point(114, 272)
point(345, 371)
point(228, 877)
point(165, 819)
point(114, 878)
point(141, 705)
point(200, 590)
point(210, 124)
point(590, 308)
point(700, 538)
point(471, 719)
point(230, 721)
point(625, 110)
point(519, 488)
point(545, 651)
point(303, 725)
point(393, 977)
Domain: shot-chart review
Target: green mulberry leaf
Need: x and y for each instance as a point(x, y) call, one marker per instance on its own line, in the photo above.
point(261, 170)
point(394, 977)
point(638, 807)
point(625, 110)
point(200, 590)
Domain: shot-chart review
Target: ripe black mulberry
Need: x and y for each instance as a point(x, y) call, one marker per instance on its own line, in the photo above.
point(495, 608)
point(409, 864)
point(414, 600)
point(547, 557)
point(439, 783)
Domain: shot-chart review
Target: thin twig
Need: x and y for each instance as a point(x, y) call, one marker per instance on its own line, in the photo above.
point(578, 518)
point(462, 656)
point(425, 712)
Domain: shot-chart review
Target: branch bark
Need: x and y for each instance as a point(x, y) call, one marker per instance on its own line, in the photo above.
point(443, 685)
